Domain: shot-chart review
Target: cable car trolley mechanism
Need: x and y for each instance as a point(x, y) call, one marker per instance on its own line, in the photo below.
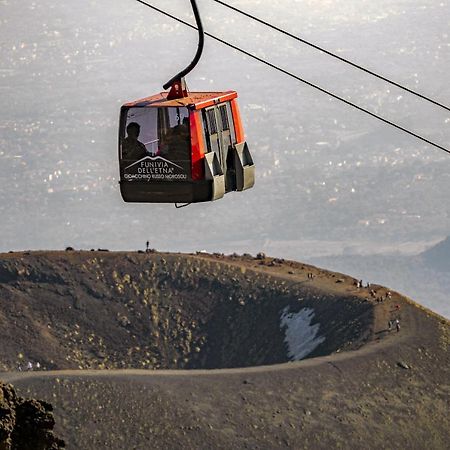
point(183, 147)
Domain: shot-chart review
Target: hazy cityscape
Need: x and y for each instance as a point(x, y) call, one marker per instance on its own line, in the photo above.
point(334, 187)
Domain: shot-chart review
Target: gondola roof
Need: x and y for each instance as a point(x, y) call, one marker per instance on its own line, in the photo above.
point(195, 100)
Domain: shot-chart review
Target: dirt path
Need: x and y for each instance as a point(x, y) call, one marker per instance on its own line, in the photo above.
point(323, 280)
point(384, 339)
point(391, 390)
point(390, 393)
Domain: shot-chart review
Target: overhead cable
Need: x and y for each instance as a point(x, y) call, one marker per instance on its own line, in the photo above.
point(286, 72)
point(334, 55)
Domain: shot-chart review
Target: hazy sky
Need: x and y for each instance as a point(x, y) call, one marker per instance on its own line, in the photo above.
point(327, 176)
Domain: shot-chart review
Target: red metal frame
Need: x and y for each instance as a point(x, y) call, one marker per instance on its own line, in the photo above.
point(238, 128)
point(195, 101)
point(197, 146)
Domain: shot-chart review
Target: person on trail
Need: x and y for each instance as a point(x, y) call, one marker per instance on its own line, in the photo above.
point(38, 365)
point(147, 246)
point(390, 325)
point(397, 325)
point(30, 365)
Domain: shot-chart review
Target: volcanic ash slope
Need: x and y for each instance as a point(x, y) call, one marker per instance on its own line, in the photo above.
point(302, 357)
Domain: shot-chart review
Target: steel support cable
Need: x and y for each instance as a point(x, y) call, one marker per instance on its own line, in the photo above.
point(257, 58)
point(334, 55)
point(198, 54)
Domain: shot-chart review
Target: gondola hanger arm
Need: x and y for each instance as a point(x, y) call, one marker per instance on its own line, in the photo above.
point(177, 84)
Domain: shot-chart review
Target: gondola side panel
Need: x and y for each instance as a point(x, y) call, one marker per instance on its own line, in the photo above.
point(197, 146)
point(239, 129)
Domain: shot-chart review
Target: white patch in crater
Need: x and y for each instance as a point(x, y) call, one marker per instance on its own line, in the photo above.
point(300, 336)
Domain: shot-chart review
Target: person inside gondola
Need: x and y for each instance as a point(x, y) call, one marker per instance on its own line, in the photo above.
point(176, 144)
point(132, 148)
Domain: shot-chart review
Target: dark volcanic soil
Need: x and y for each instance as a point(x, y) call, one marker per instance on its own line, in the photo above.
point(363, 387)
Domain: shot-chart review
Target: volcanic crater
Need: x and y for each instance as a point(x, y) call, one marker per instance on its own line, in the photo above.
point(108, 327)
point(92, 310)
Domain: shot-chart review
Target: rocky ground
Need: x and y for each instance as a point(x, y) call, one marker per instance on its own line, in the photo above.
point(26, 424)
point(363, 386)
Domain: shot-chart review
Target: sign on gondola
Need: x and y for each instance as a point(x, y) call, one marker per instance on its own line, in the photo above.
point(154, 168)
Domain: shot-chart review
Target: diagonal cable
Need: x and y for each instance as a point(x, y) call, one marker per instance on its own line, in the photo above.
point(329, 93)
point(334, 55)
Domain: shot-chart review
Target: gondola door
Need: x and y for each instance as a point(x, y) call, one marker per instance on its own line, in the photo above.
point(215, 134)
point(221, 138)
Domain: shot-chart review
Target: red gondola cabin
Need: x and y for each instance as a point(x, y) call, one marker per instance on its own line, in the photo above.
point(183, 150)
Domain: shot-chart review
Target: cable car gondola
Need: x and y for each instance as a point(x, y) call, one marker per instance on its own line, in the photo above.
point(183, 147)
